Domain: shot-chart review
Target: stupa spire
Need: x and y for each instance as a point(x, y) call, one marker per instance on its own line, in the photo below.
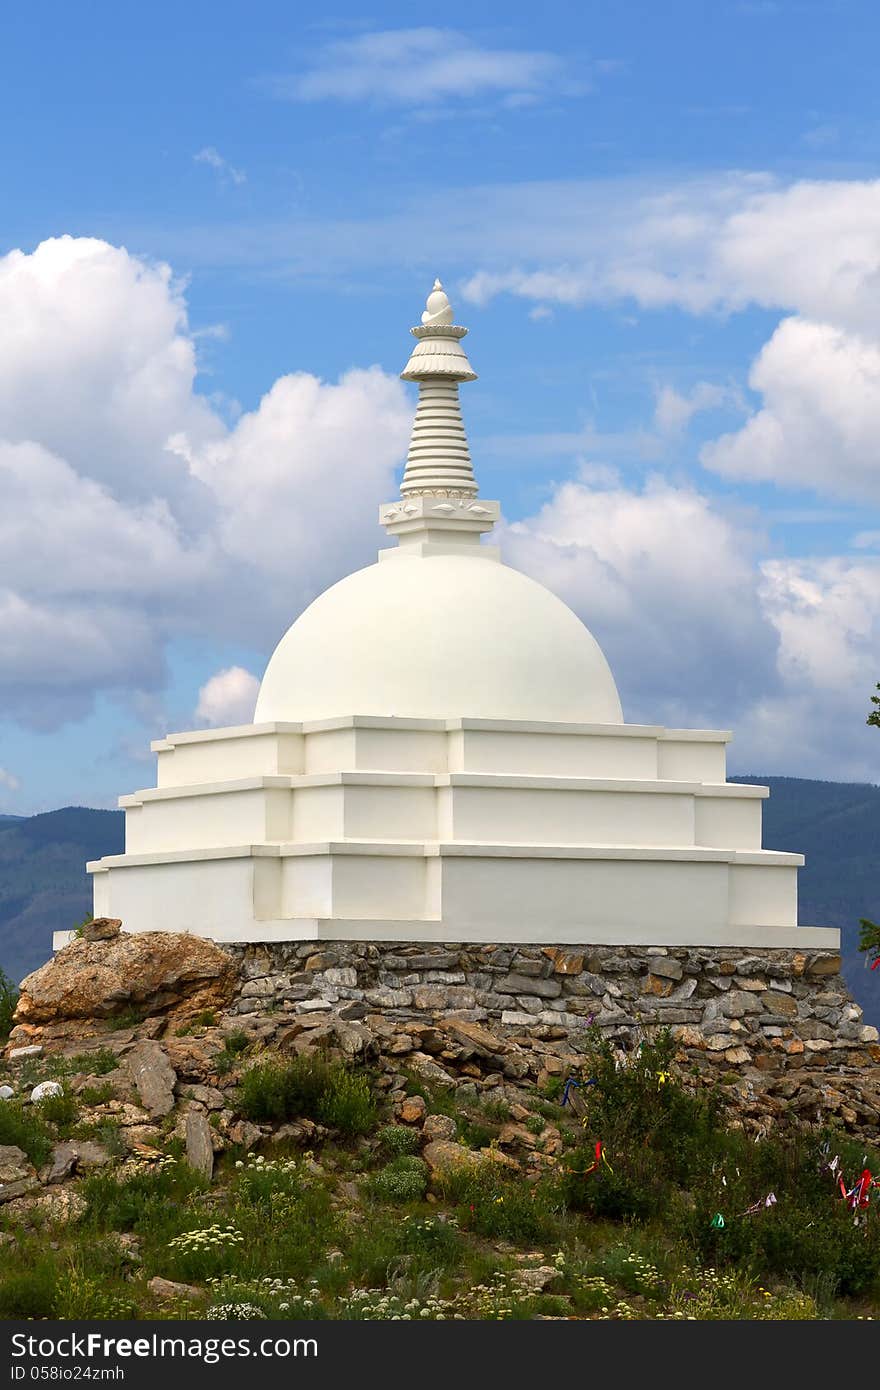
point(439, 461)
point(438, 512)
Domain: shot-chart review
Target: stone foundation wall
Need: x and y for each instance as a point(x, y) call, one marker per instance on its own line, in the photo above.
point(778, 1028)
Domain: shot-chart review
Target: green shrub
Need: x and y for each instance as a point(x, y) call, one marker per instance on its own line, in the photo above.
point(8, 1001)
point(405, 1179)
point(630, 1189)
point(61, 1111)
point(496, 1203)
point(399, 1139)
point(281, 1088)
point(347, 1103)
point(81, 1297)
point(234, 1045)
point(26, 1128)
point(149, 1201)
point(431, 1237)
point(30, 1292)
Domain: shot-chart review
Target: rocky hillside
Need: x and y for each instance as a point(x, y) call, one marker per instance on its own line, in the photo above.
point(202, 1129)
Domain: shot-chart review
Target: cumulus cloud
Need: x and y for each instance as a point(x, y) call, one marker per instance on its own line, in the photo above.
point(667, 585)
point(228, 698)
point(135, 516)
point(8, 780)
point(704, 245)
point(820, 420)
point(420, 66)
point(699, 629)
point(132, 514)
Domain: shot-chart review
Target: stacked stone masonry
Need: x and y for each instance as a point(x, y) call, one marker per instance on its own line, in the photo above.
point(777, 1027)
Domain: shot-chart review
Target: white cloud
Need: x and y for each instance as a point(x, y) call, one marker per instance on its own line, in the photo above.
point(228, 698)
point(9, 781)
point(135, 516)
point(699, 630)
point(674, 410)
point(214, 159)
point(421, 66)
point(132, 514)
point(820, 421)
point(722, 245)
point(667, 585)
point(702, 245)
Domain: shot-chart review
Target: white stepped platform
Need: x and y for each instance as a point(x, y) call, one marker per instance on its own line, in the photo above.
point(462, 830)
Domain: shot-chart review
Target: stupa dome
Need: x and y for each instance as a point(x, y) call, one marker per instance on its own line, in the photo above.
point(439, 637)
point(441, 629)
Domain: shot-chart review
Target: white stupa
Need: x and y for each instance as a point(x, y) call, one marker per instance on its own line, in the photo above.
point(439, 753)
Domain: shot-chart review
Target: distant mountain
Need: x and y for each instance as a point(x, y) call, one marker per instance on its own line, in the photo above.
point(837, 826)
point(44, 886)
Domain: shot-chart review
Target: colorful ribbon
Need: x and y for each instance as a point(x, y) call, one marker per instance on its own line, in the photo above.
point(599, 1159)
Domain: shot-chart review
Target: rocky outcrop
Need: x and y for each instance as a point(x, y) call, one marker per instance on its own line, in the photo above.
point(155, 973)
point(775, 1030)
point(154, 1077)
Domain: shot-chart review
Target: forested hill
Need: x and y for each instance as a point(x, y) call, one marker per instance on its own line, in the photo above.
point(837, 826)
point(44, 886)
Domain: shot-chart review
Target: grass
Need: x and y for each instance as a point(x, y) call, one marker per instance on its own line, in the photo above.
point(359, 1229)
point(281, 1089)
point(26, 1128)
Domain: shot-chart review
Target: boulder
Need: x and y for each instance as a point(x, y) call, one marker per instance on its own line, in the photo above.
point(474, 1036)
point(199, 1145)
point(443, 1156)
point(45, 1090)
point(412, 1110)
point(154, 1077)
point(438, 1127)
point(17, 1174)
point(101, 929)
point(71, 1157)
point(168, 1289)
point(155, 972)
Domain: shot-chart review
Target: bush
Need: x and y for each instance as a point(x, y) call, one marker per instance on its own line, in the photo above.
point(29, 1293)
point(80, 1297)
point(281, 1089)
point(626, 1192)
point(8, 1001)
point(61, 1111)
point(26, 1128)
point(495, 1203)
point(347, 1103)
point(405, 1179)
point(234, 1045)
point(97, 1095)
point(148, 1201)
point(399, 1139)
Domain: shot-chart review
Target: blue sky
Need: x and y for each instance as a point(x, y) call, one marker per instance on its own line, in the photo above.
point(662, 226)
